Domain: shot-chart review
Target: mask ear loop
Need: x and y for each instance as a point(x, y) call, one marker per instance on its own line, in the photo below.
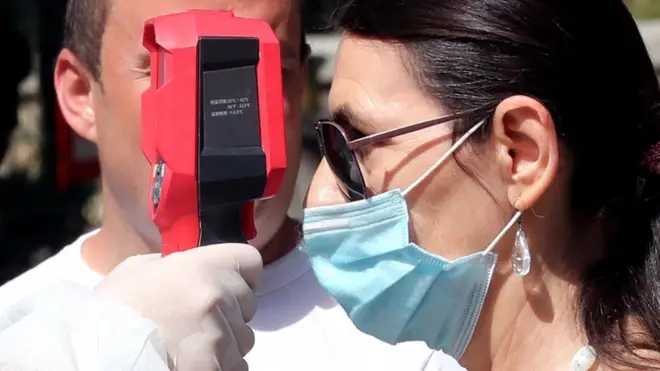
point(443, 158)
point(504, 230)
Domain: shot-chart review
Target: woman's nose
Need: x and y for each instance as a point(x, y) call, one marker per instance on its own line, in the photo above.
point(324, 190)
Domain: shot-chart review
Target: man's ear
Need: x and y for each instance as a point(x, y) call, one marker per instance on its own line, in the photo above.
point(73, 84)
point(527, 149)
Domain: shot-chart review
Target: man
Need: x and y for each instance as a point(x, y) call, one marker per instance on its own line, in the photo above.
point(99, 77)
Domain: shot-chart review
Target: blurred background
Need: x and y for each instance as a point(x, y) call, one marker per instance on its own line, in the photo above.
point(48, 191)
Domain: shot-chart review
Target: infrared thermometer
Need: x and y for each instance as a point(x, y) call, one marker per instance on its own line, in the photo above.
point(212, 125)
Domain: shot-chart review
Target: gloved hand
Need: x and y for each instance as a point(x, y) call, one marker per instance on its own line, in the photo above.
point(201, 300)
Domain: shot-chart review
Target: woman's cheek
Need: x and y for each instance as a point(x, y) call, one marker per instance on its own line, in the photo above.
point(376, 164)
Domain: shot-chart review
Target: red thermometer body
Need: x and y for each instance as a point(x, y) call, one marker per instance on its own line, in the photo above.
point(212, 125)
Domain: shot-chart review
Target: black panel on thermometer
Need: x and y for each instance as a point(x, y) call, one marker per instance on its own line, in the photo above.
point(231, 162)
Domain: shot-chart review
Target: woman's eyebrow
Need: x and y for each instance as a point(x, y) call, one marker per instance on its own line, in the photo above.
point(345, 115)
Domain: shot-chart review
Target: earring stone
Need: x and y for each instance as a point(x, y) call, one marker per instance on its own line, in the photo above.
point(521, 259)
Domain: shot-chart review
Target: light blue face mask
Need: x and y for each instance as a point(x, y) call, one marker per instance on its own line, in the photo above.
point(391, 288)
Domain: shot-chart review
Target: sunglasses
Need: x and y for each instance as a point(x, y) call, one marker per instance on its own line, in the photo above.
point(339, 150)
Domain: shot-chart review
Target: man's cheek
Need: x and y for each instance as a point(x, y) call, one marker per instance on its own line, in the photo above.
point(132, 118)
point(139, 87)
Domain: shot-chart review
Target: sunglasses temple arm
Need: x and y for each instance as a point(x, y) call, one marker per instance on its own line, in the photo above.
point(380, 137)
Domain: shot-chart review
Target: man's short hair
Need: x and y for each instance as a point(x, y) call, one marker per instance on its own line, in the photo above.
point(84, 27)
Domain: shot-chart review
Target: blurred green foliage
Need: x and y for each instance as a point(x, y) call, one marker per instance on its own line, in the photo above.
point(644, 9)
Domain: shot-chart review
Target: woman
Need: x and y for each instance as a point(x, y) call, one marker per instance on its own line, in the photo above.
point(490, 182)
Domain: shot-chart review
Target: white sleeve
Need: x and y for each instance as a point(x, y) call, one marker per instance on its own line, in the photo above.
point(69, 328)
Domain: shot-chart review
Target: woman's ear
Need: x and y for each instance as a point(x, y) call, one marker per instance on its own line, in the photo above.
point(527, 149)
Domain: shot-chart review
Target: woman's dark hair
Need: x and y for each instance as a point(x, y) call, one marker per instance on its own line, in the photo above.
point(586, 62)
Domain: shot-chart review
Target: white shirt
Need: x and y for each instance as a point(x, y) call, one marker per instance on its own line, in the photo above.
point(298, 327)
point(68, 264)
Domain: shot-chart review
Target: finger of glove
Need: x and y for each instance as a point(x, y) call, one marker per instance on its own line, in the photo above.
point(242, 366)
point(237, 309)
point(244, 259)
point(241, 334)
point(241, 298)
point(222, 327)
point(244, 336)
point(197, 352)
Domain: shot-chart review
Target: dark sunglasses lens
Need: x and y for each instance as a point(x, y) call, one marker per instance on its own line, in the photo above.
point(342, 161)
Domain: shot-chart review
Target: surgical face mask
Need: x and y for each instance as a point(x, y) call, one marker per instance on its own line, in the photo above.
point(391, 288)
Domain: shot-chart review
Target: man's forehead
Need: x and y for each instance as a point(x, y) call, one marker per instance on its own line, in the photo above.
point(127, 17)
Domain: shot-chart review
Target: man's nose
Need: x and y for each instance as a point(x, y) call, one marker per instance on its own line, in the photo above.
point(324, 190)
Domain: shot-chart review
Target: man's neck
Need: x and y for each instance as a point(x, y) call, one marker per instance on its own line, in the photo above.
point(106, 249)
point(115, 242)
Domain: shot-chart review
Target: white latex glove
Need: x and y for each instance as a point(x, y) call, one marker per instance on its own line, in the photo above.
point(201, 300)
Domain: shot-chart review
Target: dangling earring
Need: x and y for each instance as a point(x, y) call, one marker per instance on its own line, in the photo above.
point(521, 259)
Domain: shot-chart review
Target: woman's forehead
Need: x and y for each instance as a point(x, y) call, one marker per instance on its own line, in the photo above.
point(372, 82)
